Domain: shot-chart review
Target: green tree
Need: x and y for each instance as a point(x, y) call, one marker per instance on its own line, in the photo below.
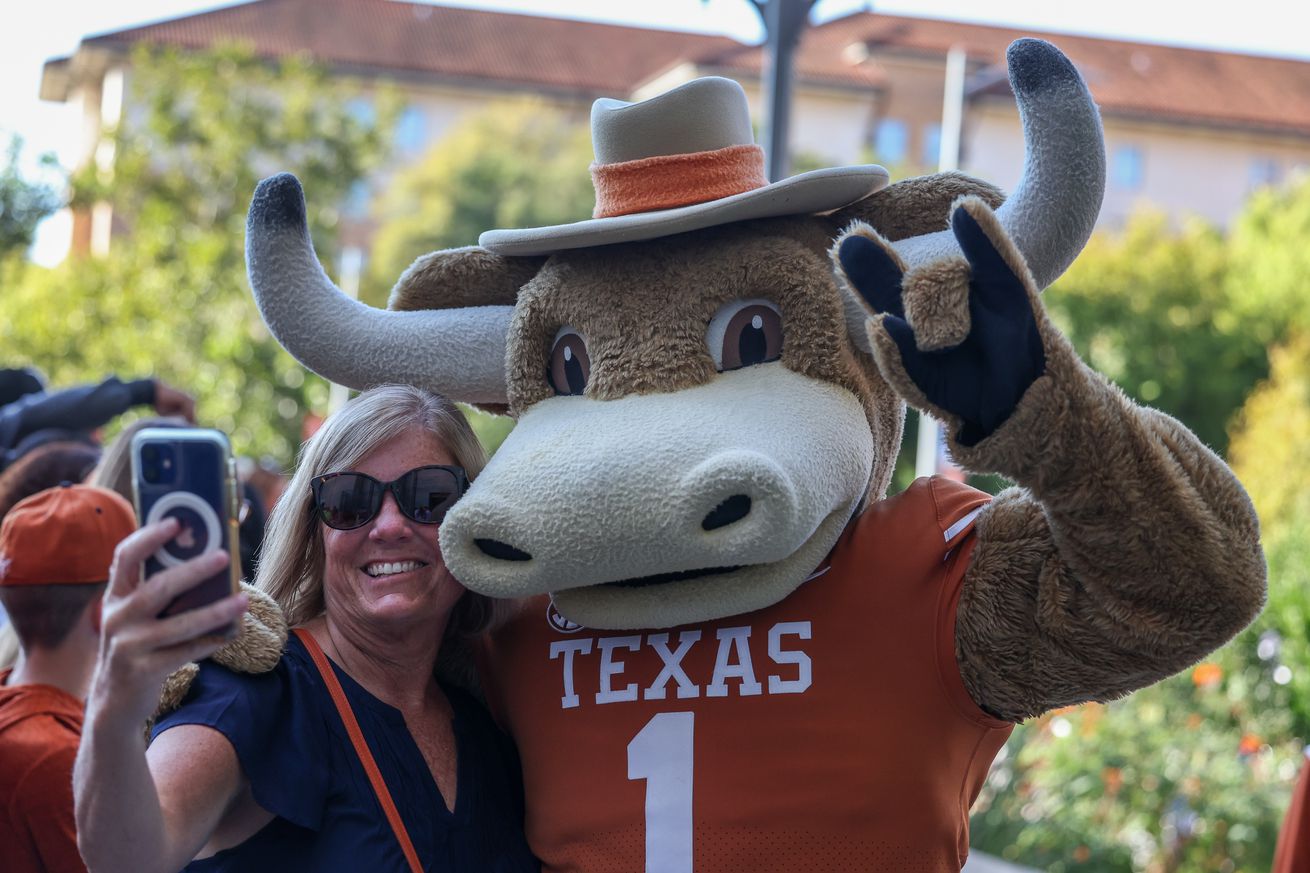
point(1269, 455)
point(1190, 774)
point(1152, 309)
point(519, 163)
point(1270, 262)
point(23, 204)
point(171, 297)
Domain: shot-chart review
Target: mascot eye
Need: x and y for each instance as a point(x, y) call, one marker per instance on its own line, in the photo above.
point(570, 365)
point(743, 333)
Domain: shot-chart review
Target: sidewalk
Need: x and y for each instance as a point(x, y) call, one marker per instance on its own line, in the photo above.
point(982, 863)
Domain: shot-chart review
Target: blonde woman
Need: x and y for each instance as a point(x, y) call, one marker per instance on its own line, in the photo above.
point(267, 772)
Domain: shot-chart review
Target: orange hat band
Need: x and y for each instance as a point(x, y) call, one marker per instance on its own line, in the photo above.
point(669, 181)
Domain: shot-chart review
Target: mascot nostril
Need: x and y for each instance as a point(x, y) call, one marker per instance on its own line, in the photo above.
point(501, 551)
point(730, 511)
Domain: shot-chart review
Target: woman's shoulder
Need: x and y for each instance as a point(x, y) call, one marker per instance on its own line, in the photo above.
point(275, 724)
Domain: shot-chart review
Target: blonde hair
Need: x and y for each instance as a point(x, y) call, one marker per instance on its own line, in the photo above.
point(291, 563)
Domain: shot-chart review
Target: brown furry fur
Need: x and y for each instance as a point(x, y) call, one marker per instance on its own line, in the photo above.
point(1142, 555)
point(643, 311)
point(913, 207)
point(469, 276)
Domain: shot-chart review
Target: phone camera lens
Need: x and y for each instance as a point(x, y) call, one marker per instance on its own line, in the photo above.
point(159, 464)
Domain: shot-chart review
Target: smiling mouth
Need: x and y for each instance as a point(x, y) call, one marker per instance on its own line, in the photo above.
point(379, 569)
point(679, 576)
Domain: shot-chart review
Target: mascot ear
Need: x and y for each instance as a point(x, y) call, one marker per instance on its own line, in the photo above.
point(915, 206)
point(456, 278)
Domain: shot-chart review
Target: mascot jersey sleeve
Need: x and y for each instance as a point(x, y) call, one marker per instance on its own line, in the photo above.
point(830, 731)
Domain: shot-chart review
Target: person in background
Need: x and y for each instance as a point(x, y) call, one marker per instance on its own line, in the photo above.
point(43, 467)
point(55, 551)
point(36, 417)
point(16, 382)
point(260, 771)
point(1292, 854)
point(267, 478)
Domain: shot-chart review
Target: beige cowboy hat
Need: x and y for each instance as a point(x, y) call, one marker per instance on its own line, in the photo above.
point(683, 161)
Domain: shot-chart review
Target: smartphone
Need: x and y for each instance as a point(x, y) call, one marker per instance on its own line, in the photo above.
point(188, 474)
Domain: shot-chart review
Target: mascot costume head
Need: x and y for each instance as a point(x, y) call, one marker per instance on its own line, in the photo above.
point(709, 379)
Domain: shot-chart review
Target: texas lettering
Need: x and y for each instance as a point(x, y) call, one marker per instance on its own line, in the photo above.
point(784, 666)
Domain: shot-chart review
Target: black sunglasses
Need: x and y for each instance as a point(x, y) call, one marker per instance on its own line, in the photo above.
point(345, 501)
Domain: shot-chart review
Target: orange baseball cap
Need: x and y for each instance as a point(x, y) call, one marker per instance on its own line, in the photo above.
point(63, 535)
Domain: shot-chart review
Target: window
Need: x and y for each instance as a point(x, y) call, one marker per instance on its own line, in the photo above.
point(362, 109)
point(1126, 170)
point(411, 130)
point(891, 141)
point(358, 199)
point(932, 145)
point(1263, 172)
point(352, 266)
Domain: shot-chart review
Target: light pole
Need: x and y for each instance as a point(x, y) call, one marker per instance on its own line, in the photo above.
point(928, 449)
point(783, 22)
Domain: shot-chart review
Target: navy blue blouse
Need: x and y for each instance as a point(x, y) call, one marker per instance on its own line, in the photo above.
point(302, 768)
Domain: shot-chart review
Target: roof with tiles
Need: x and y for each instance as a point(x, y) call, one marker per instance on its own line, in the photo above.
point(1127, 79)
point(438, 41)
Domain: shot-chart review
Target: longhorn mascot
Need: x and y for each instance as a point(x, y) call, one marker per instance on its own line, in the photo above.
point(735, 652)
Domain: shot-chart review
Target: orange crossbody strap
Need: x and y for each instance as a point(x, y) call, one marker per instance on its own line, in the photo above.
point(361, 747)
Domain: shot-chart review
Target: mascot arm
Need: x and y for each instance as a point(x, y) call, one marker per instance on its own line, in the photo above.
point(1128, 551)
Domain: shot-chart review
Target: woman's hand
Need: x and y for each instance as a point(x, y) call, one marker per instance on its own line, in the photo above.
point(129, 818)
point(139, 649)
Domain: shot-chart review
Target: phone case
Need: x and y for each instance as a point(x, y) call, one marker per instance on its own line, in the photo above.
point(188, 474)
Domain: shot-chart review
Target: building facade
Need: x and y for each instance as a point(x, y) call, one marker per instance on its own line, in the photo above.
point(1187, 131)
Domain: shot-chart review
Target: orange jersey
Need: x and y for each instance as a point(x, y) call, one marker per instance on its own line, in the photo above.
point(1293, 852)
point(40, 727)
point(830, 731)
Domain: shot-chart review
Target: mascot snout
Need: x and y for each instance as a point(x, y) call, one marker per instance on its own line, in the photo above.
point(753, 487)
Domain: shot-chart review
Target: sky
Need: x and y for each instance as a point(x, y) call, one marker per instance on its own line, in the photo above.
point(37, 30)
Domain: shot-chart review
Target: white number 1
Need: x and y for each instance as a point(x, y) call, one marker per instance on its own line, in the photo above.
point(661, 753)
